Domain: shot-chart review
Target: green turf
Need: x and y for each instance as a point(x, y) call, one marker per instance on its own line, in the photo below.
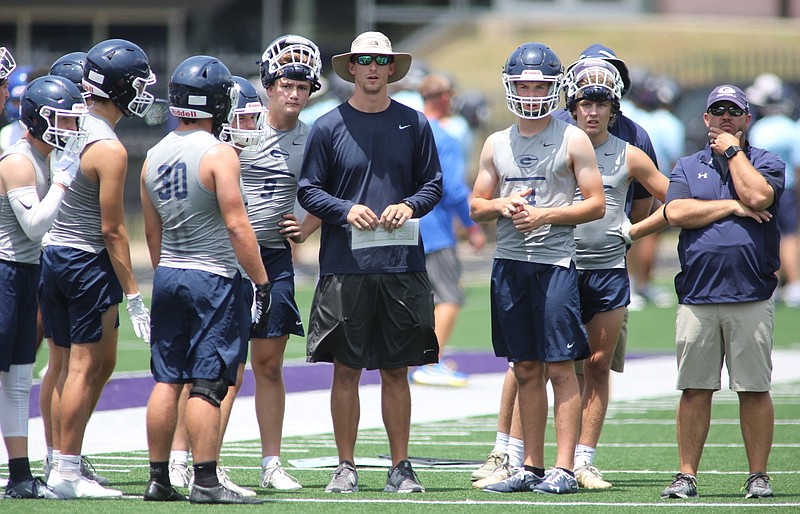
point(637, 453)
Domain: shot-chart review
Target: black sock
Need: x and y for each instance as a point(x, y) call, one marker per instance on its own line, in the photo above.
point(205, 474)
point(568, 472)
point(19, 470)
point(539, 472)
point(159, 472)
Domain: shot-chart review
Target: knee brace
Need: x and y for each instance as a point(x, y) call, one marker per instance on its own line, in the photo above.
point(212, 391)
point(15, 390)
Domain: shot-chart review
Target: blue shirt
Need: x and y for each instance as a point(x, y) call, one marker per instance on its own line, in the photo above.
point(780, 135)
point(373, 159)
point(733, 259)
point(436, 227)
point(630, 132)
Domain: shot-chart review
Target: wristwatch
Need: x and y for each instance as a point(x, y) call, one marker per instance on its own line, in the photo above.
point(732, 150)
point(409, 205)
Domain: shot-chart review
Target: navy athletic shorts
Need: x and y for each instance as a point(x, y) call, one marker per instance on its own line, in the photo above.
point(602, 291)
point(284, 315)
point(77, 288)
point(18, 304)
point(195, 321)
point(536, 312)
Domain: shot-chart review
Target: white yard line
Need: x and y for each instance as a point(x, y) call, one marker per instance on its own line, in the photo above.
point(308, 413)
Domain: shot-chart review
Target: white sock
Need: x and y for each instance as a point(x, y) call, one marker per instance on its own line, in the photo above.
point(516, 452)
point(269, 460)
point(50, 454)
point(179, 457)
point(69, 467)
point(584, 455)
point(500, 443)
point(55, 458)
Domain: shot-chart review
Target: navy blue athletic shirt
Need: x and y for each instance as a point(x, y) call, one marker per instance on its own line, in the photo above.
point(735, 258)
point(373, 159)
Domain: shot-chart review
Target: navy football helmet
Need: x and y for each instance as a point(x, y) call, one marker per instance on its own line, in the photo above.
point(293, 57)
point(247, 128)
point(533, 62)
point(120, 71)
point(70, 66)
point(7, 64)
point(47, 106)
point(202, 87)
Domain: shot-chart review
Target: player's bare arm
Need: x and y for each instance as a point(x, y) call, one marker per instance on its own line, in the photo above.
point(641, 168)
point(219, 171)
point(298, 231)
point(107, 163)
point(153, 228)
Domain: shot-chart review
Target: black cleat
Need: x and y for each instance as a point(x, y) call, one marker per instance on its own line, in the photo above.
point(218, 494)
point(156, 492)
point(33, 489)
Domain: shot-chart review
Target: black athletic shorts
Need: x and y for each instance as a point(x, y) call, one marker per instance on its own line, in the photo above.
point(373, 321)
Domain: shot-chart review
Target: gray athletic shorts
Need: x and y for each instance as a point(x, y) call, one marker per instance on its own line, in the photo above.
point(373, 321)
point(444, 272)
point(739, 333)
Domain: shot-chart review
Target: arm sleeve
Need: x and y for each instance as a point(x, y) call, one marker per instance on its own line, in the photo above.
point(35, 217)
point(428, 176)
point(311, 193)
point(678, 186)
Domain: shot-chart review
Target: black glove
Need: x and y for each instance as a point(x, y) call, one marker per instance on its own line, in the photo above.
point(263, 301)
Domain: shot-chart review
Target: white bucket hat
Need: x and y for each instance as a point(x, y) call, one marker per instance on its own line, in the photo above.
point(372, 43)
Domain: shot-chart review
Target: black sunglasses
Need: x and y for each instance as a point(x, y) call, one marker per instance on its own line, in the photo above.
point(366, 60)
point(719, 110)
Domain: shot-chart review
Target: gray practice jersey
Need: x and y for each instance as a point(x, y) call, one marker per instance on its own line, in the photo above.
point(599, 243)
point(193, 231)
point(78, 223)
point(14, 243)
point(270, 180)
point(538, 162)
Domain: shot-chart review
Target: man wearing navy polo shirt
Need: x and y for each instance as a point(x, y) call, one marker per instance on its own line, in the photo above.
point(725, 200)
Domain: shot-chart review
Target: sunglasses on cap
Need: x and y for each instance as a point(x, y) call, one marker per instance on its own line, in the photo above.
point(719, 110)
point(366, 60)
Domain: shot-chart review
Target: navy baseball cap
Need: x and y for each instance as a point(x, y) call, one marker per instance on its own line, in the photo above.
point(729, 93)
point(598, 51)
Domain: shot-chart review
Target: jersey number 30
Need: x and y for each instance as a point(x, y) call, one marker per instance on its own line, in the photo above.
point(173, 181)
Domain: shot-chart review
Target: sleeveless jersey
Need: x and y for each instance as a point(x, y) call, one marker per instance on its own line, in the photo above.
point(193, 231)
point(270, 180)
point(78, 223)
point(599, 243)
point(14, 243)
point(538, 162)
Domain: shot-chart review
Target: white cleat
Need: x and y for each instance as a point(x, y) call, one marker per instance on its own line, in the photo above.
point(274, 476)
point(180, 474)
point(79, 488)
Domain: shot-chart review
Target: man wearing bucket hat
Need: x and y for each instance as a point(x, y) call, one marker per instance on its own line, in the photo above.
point(725, 200)
point(370, 166)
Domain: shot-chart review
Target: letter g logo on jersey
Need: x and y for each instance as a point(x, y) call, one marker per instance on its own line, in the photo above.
point(526, 161)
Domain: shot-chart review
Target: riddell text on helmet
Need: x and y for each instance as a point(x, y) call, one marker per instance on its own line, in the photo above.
point(183, 113)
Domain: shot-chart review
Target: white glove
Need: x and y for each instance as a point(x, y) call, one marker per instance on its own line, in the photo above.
point(140, 318)
point(626, 232)
point(64, 167)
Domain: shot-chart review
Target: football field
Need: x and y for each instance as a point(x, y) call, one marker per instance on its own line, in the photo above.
point(637, 451)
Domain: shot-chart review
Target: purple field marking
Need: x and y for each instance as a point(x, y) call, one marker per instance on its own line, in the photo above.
point(127, 392)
